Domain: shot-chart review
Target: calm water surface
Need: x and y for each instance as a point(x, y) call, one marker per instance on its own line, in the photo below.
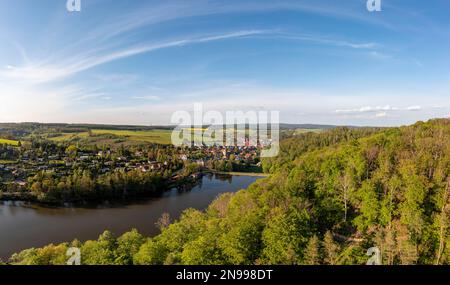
point(24, 225)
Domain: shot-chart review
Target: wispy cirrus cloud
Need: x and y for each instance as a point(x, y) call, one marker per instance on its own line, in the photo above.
point(379, 55)
point(324, 40)
point(65, 66)
point(387, 108)
point(166, 11)
point(81, 72)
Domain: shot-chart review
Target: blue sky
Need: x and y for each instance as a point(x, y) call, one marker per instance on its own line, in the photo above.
point(136, 62)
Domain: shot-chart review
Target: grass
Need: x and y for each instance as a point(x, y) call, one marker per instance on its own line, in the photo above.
point(9, 142)
point(5, 162)
point(195, 129)
point(68, 136)
point(303, 131)
point(157, 136)
point(151, 136)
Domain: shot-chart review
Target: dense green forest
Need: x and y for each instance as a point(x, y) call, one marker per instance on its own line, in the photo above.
point(329, 198)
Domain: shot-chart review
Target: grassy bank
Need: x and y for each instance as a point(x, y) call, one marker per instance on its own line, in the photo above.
point(253, 174)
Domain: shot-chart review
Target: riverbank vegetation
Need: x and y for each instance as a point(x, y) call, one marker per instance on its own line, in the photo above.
point(57, 172)
point(331, 196)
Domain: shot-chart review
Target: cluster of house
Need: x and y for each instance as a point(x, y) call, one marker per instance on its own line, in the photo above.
point(106, 161)
point(235, 153)
point(62, 164)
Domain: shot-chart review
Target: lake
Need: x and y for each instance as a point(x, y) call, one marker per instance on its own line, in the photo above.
point(24, 225)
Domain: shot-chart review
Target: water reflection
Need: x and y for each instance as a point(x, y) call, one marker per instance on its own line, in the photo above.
point(24, 225)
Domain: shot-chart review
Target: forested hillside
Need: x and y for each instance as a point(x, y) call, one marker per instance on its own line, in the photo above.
point(330, 197)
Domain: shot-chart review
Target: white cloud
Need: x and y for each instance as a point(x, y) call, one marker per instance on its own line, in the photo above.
point(28, 103)
point(23, 96)
point(51, 69)
point(414, 108)
point(379, 55)
point(294, 105)
point(84, 95)
point(147, 97)
point(157, 13)
point(386, 108)
point(368, 109)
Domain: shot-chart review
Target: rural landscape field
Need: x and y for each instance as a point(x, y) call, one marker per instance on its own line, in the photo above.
point(153, 136)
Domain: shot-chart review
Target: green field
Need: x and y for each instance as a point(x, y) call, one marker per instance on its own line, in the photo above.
point(99, 136)
point(151, 136)
point(117, 137)
point(68, 136)
point(7, 162)
point(10, 142)
point(304, 131)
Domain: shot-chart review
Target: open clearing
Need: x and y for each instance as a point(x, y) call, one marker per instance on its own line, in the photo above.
point(9, 142)
point(151, 136)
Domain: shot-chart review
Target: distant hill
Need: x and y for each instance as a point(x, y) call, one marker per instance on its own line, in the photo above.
point(32, 125)
point(310, 126)
point(305, 126)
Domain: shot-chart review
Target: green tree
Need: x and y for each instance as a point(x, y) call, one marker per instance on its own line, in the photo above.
point(369, 207)
point(100, 252)
point(151, 253)
point(331, 249)
point(72, 151)
point(127, 246)
point(312, 251)
point(284, 237)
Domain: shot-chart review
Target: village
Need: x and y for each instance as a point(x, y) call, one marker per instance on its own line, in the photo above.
point(18, 163)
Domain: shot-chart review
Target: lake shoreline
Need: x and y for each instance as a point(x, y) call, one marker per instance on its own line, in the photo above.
point(184, 182)
point(91, 203)
point(232, 173)
point(26, 225)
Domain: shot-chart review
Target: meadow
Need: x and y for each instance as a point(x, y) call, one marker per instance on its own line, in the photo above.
point(304, 131)
point(148, 136)
point(103, 136)
point(9, 142)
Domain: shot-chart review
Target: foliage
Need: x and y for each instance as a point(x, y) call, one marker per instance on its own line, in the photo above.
point(330, 197)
